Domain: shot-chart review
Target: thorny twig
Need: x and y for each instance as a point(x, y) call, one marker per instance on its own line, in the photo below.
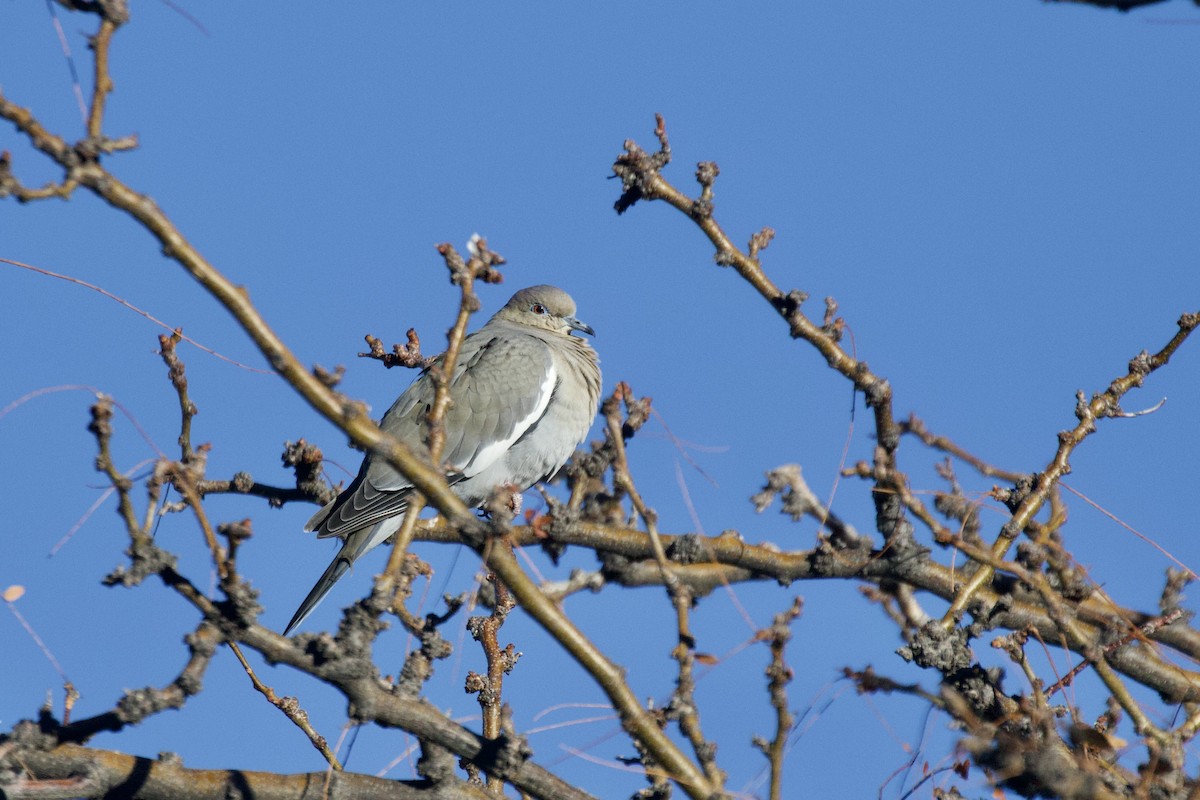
point(500, 662)
point(481, 266)
point(290, 707)
point(402, 355)
point(683, 706)
point(779, 675)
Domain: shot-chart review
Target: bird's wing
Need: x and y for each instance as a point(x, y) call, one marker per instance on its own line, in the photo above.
point(502, 392)
point(502, 385)
point(358, 506)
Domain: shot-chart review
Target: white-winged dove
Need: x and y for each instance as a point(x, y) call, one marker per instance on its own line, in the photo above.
point(524, 394)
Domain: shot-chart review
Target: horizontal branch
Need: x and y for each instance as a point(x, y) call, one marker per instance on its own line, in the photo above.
point(1002, 604)
point(71, 771)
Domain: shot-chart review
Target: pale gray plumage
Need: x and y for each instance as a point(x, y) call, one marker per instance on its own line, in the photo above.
point(525, 393)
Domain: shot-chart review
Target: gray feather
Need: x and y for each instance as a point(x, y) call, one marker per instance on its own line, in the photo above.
point(524, 396)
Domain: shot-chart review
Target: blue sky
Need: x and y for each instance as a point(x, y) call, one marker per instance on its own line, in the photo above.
point(1001, 196)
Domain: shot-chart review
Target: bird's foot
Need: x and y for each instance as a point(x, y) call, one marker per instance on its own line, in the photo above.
point(504, 503)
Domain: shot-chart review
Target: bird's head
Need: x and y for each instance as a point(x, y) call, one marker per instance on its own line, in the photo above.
point(545, 307)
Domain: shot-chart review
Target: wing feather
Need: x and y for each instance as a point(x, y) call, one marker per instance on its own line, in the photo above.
point(501, 388)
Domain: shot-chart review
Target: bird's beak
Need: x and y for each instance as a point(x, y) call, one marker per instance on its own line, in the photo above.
point(576, 325)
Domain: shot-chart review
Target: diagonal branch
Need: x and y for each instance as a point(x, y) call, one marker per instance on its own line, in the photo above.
point(349, 417)
point(1103, 404)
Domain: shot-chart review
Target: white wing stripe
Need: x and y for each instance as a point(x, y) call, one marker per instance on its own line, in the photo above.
point(488, 455)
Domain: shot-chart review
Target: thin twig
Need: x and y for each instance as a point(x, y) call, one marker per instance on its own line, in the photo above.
point(1103, 404)
point(779, 675)
point(134, 309)
point(291, 709)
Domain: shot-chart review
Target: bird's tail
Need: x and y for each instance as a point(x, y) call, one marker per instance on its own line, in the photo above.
point(356, 544)
point(336, 569)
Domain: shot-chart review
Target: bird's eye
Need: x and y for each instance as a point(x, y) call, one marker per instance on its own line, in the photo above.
point(538, 308)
